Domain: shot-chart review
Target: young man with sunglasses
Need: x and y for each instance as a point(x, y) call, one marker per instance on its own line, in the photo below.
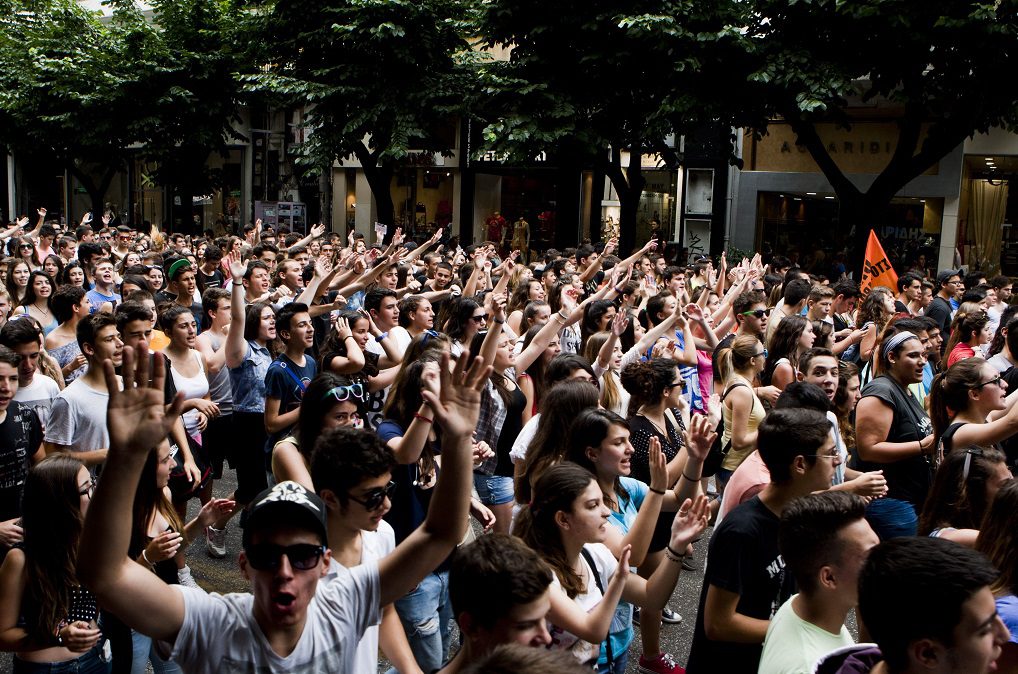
point(352, 473)
point(278, 628)
point(751, 314)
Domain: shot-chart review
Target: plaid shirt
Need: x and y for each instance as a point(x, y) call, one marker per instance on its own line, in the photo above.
point(489, 425)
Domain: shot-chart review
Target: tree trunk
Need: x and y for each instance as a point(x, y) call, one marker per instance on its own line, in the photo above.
point(379, 177)
point(96, 192)
point(629, 186)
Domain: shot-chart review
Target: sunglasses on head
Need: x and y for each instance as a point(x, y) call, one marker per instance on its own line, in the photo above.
point(342, 393)
point(374, 499)
point(268, 556)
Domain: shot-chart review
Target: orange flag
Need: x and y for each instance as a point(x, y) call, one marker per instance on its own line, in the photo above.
point(876, 268)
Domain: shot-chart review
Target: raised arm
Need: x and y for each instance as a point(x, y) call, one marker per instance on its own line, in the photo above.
point(456, 411)
point(236, 346)
point(590, 625)
point(137, 421)
point(316, 231)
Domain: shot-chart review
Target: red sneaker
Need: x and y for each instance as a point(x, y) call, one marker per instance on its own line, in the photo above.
point(662, 664)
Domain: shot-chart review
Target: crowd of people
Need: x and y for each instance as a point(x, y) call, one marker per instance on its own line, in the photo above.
point(599, 417)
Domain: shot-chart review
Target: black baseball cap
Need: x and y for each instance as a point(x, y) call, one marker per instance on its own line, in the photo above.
point(946, 274)
point(291, 501)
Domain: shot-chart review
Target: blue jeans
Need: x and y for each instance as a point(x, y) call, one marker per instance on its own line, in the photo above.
point(892, 518)
point(144, 652)
point(494, 489)
point(426, 613)
point(618, 665)
point(89, 663)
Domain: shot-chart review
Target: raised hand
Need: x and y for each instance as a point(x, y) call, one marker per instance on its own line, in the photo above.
point(237, 265)
point(437, 236)
point(689, 522)
point(609, 247)
point(620, 323)
point(137, 418)
point(699, 436)
point(658, 465)
point(317, 230)
point(458, 405)
point(41, 211)
point(694, 312)
point(343, 328)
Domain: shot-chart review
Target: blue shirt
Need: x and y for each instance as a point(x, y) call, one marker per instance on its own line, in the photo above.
point(688, 374)
point(621, 631)
point(248, 380)
point(285, 381)
point(96, 300)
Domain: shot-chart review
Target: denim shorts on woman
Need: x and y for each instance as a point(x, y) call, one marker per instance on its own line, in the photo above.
point(494, 489)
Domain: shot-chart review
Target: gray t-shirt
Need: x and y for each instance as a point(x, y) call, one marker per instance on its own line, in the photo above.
point(77, 418)
point(219, 634)
point(39, 395)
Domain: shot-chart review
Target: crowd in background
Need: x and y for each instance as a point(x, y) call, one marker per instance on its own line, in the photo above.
point(599, 416)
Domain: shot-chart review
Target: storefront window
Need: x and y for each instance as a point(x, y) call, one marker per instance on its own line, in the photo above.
point(806, 228)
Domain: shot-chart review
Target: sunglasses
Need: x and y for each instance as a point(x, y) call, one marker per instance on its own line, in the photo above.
point(678, 384)
point(757, 313)
point(479, 319)
point(374, 499)
point(26, 245)
point(268, 556)
point(762, 353)
point(342, 393)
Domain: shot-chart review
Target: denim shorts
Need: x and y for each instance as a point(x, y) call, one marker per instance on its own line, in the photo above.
point(494, 489)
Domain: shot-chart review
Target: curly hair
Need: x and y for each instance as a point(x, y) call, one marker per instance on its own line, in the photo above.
point(647, 381)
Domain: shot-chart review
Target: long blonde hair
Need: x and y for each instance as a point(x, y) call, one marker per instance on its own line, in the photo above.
point(611, 398)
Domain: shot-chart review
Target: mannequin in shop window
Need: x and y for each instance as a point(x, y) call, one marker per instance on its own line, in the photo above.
point(521, 239)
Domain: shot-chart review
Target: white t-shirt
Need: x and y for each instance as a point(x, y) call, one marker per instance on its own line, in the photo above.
point(839, 444)
point(219, 634)
point(77, 418)
point(522, 443)
point(792, 645)
point(39, 395)
point(374, 546)
point(606, 564)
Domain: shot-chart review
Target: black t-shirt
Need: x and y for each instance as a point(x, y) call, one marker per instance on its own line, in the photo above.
point(839, 323)
point(908, 479)
point(900, 308)
point(743, 558)
point(940, 311)
point(511, 428)
point(20, 437)
point(214, 280)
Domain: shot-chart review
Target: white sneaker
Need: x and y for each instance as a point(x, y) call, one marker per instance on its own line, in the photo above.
point(185, 578)
point(215, 542)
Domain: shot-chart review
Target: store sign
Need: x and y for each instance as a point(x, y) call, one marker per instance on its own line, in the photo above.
point(866, 148)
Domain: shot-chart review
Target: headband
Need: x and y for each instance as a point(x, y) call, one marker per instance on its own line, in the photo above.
point(177, 266)
point(897, 340)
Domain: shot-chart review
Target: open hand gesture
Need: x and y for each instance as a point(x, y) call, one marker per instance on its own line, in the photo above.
point(237, 266)
point(699, 437)
point(136, 417)
point(458, 404)
point(689, 522)
point(658, 465)
point(620, 323)
point(317, 230)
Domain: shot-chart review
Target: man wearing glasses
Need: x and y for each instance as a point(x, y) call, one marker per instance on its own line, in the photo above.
point(751, 315)
point(276, 628)
point(745, 580)
point(940, 308)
